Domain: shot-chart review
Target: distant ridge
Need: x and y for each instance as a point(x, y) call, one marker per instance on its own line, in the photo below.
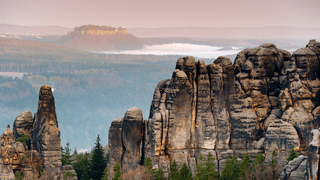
point(270, 32)
point(33, 30)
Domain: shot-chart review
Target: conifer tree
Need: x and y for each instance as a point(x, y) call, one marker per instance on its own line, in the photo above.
point(18, 176)
point(81, 165)
point(85, 167)
point(273, 163)
point(97, 163)
point(205, 168)
point(159, 174)
point(258, 170)
point(293, 154)
point(244, 166)
point(75, 152)
point(117, 171)
point(105, 174)
point(185, 173)
point(66, 155)
point(174, 171)
point(231, 169)
point(259, 160)
point(148, 164)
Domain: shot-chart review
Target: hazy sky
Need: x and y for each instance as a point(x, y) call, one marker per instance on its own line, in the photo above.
point(161, 13)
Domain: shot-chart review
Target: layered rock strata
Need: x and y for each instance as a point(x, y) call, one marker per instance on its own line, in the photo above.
point(267, 100)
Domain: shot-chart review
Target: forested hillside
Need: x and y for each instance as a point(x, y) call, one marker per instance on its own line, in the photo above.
point(90, 90)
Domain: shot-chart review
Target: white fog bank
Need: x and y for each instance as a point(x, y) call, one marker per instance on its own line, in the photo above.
point(200, 51)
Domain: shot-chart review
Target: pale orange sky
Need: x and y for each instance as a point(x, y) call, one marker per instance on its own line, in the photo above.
point(161, 13)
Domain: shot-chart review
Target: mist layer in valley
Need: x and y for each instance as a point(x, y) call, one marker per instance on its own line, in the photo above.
point(183, 49)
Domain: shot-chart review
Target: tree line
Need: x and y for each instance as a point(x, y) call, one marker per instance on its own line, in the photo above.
point(93, 165)
point(87, 165)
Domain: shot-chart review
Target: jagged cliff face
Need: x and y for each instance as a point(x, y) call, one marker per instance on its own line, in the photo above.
point(267, 100)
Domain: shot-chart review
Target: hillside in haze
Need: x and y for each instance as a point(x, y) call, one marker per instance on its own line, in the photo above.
point(273, 32)
point(100, 38)
point(35, 30)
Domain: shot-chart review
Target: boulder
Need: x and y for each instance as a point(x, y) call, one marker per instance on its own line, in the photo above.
point(23, 124)
point(314, 46)
point(281, 135)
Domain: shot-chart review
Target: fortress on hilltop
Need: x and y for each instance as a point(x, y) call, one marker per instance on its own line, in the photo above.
point(97, 30)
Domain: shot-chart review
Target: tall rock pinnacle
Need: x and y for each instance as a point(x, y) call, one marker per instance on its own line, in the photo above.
point(46, 133)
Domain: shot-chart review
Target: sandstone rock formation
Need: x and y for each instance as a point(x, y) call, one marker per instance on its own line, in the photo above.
point(64, 170)
point(23, 124)
point(267, 100)
point(125, 137)
point(314, 155)
point(220, 107)
point(132, 133)
point(115, 144)
point(7, 155)
point(296, 169)
point(42, 154)
point(46, 133)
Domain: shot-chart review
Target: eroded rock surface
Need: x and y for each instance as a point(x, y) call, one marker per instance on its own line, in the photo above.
point(7, 155)
point(314, 155)
point(46, 132)
point(125, 138)
point(266, 100)
point(132, 135)
point(115, 144)
point(42, 152)
point(23, 124)
point(281, 135)
point(296, 169)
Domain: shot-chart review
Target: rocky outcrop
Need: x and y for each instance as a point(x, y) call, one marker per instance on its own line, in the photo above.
point(23, 124)
point(46, 133)
point(125, 138)
point(132, 133)
point(41, 154)
point(115, 144)
point(314, 155)
point(267, 100)
point(296, 169)
point(7, 155)
point(63, 173)
point(220, 107)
